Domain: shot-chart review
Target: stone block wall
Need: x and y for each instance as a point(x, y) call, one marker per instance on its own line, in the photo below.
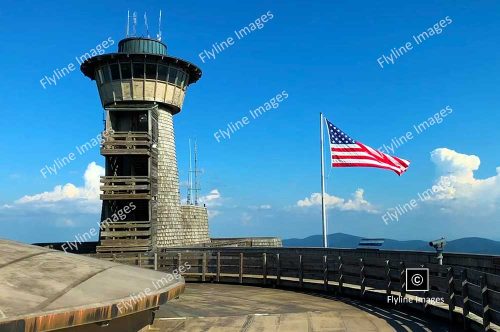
point(246, 242)
point(169, 228)
point(195, 224)
point(266, 242)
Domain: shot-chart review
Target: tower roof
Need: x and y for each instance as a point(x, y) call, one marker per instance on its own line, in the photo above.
point(143, 50)
point(142, 45)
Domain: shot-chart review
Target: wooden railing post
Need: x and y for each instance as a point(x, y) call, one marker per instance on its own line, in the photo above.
point(325, 272)
point(218, 267)
point(341, 274)
point(204, 266)
point(402, 279)
point(388, 281)
point(156, 261)
point(264, 268)
point(425, 303)
point(301, 272)
point(278, 269)
point(483, 282)
point(241, 267)
point(140, 260)
point(465, 297)
point(451, 292)
point(179, 256)
point(362, 276)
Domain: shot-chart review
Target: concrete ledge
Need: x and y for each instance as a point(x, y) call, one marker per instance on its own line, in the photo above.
point(46, 290)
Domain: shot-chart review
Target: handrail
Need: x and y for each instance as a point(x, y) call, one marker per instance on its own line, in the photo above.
point(465, 294)
point(113, 187)
point(127, 142)
point(122, 178)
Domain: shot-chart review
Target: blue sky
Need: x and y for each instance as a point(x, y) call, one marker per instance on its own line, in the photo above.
point(261, 181)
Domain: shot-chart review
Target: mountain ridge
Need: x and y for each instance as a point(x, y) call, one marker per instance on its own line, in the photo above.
point(470, 245)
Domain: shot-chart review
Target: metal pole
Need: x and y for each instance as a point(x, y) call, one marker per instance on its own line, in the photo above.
point(323, 209)
point(190, 177)
point(128, 22)
point(196, 184)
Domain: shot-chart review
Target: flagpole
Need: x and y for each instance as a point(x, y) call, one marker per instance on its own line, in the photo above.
point(323, 210)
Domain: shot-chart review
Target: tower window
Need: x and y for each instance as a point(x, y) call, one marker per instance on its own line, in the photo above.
point(115, 71)
point(172, 74)
point(162, 73)
point(151, 71)
point(106, 77)
point(126, 70)
point(98, 76)
point(138, 70)
point(180, 79)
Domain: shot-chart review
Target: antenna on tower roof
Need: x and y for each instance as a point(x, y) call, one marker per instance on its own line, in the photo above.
point(128, 22)
point(134, 23)
point(158, 35)
point(146, 23)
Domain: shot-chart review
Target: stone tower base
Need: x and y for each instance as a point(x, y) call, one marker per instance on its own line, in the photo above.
point(194, 225)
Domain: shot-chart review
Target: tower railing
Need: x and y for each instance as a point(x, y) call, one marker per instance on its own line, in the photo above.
point(467, 295)
point(126, 143)
point(126, 229)
point(125, 187)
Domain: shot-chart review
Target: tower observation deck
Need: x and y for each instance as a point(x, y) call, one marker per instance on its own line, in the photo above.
point(141, 87)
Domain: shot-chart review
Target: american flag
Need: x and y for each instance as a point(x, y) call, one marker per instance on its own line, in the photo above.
point(346, 152)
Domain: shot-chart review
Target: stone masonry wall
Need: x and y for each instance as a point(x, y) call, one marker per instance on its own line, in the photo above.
point(169, 223)
point(195, 224)
point(247, 242)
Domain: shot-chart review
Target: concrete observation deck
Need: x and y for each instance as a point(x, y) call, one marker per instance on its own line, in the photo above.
point(48, 290)
point(220, 307)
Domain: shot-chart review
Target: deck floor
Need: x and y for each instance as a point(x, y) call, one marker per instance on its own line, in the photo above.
point(219, 307)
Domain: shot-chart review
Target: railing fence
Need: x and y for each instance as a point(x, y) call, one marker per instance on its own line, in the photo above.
point(471, 294)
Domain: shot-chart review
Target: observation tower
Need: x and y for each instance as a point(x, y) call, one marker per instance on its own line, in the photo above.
point(141, 88)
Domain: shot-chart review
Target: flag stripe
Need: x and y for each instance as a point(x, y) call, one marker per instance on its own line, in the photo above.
point(394, 169)
point(365, 162)
point(399, 172)
point(344, 146)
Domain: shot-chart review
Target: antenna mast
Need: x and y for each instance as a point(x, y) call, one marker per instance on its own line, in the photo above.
point(146, 23)
point(134, 23)
point(158, 35)
point(196, 171)
point(190, 177)
point(128, 22)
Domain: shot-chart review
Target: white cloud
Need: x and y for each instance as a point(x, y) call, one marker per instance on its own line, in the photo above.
point(67, 198)
point(450, 161)
point(212, 200)
point(65, 222)
point(356, 203)
point(212, 213)
point(464, 191)
point(260, 207)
